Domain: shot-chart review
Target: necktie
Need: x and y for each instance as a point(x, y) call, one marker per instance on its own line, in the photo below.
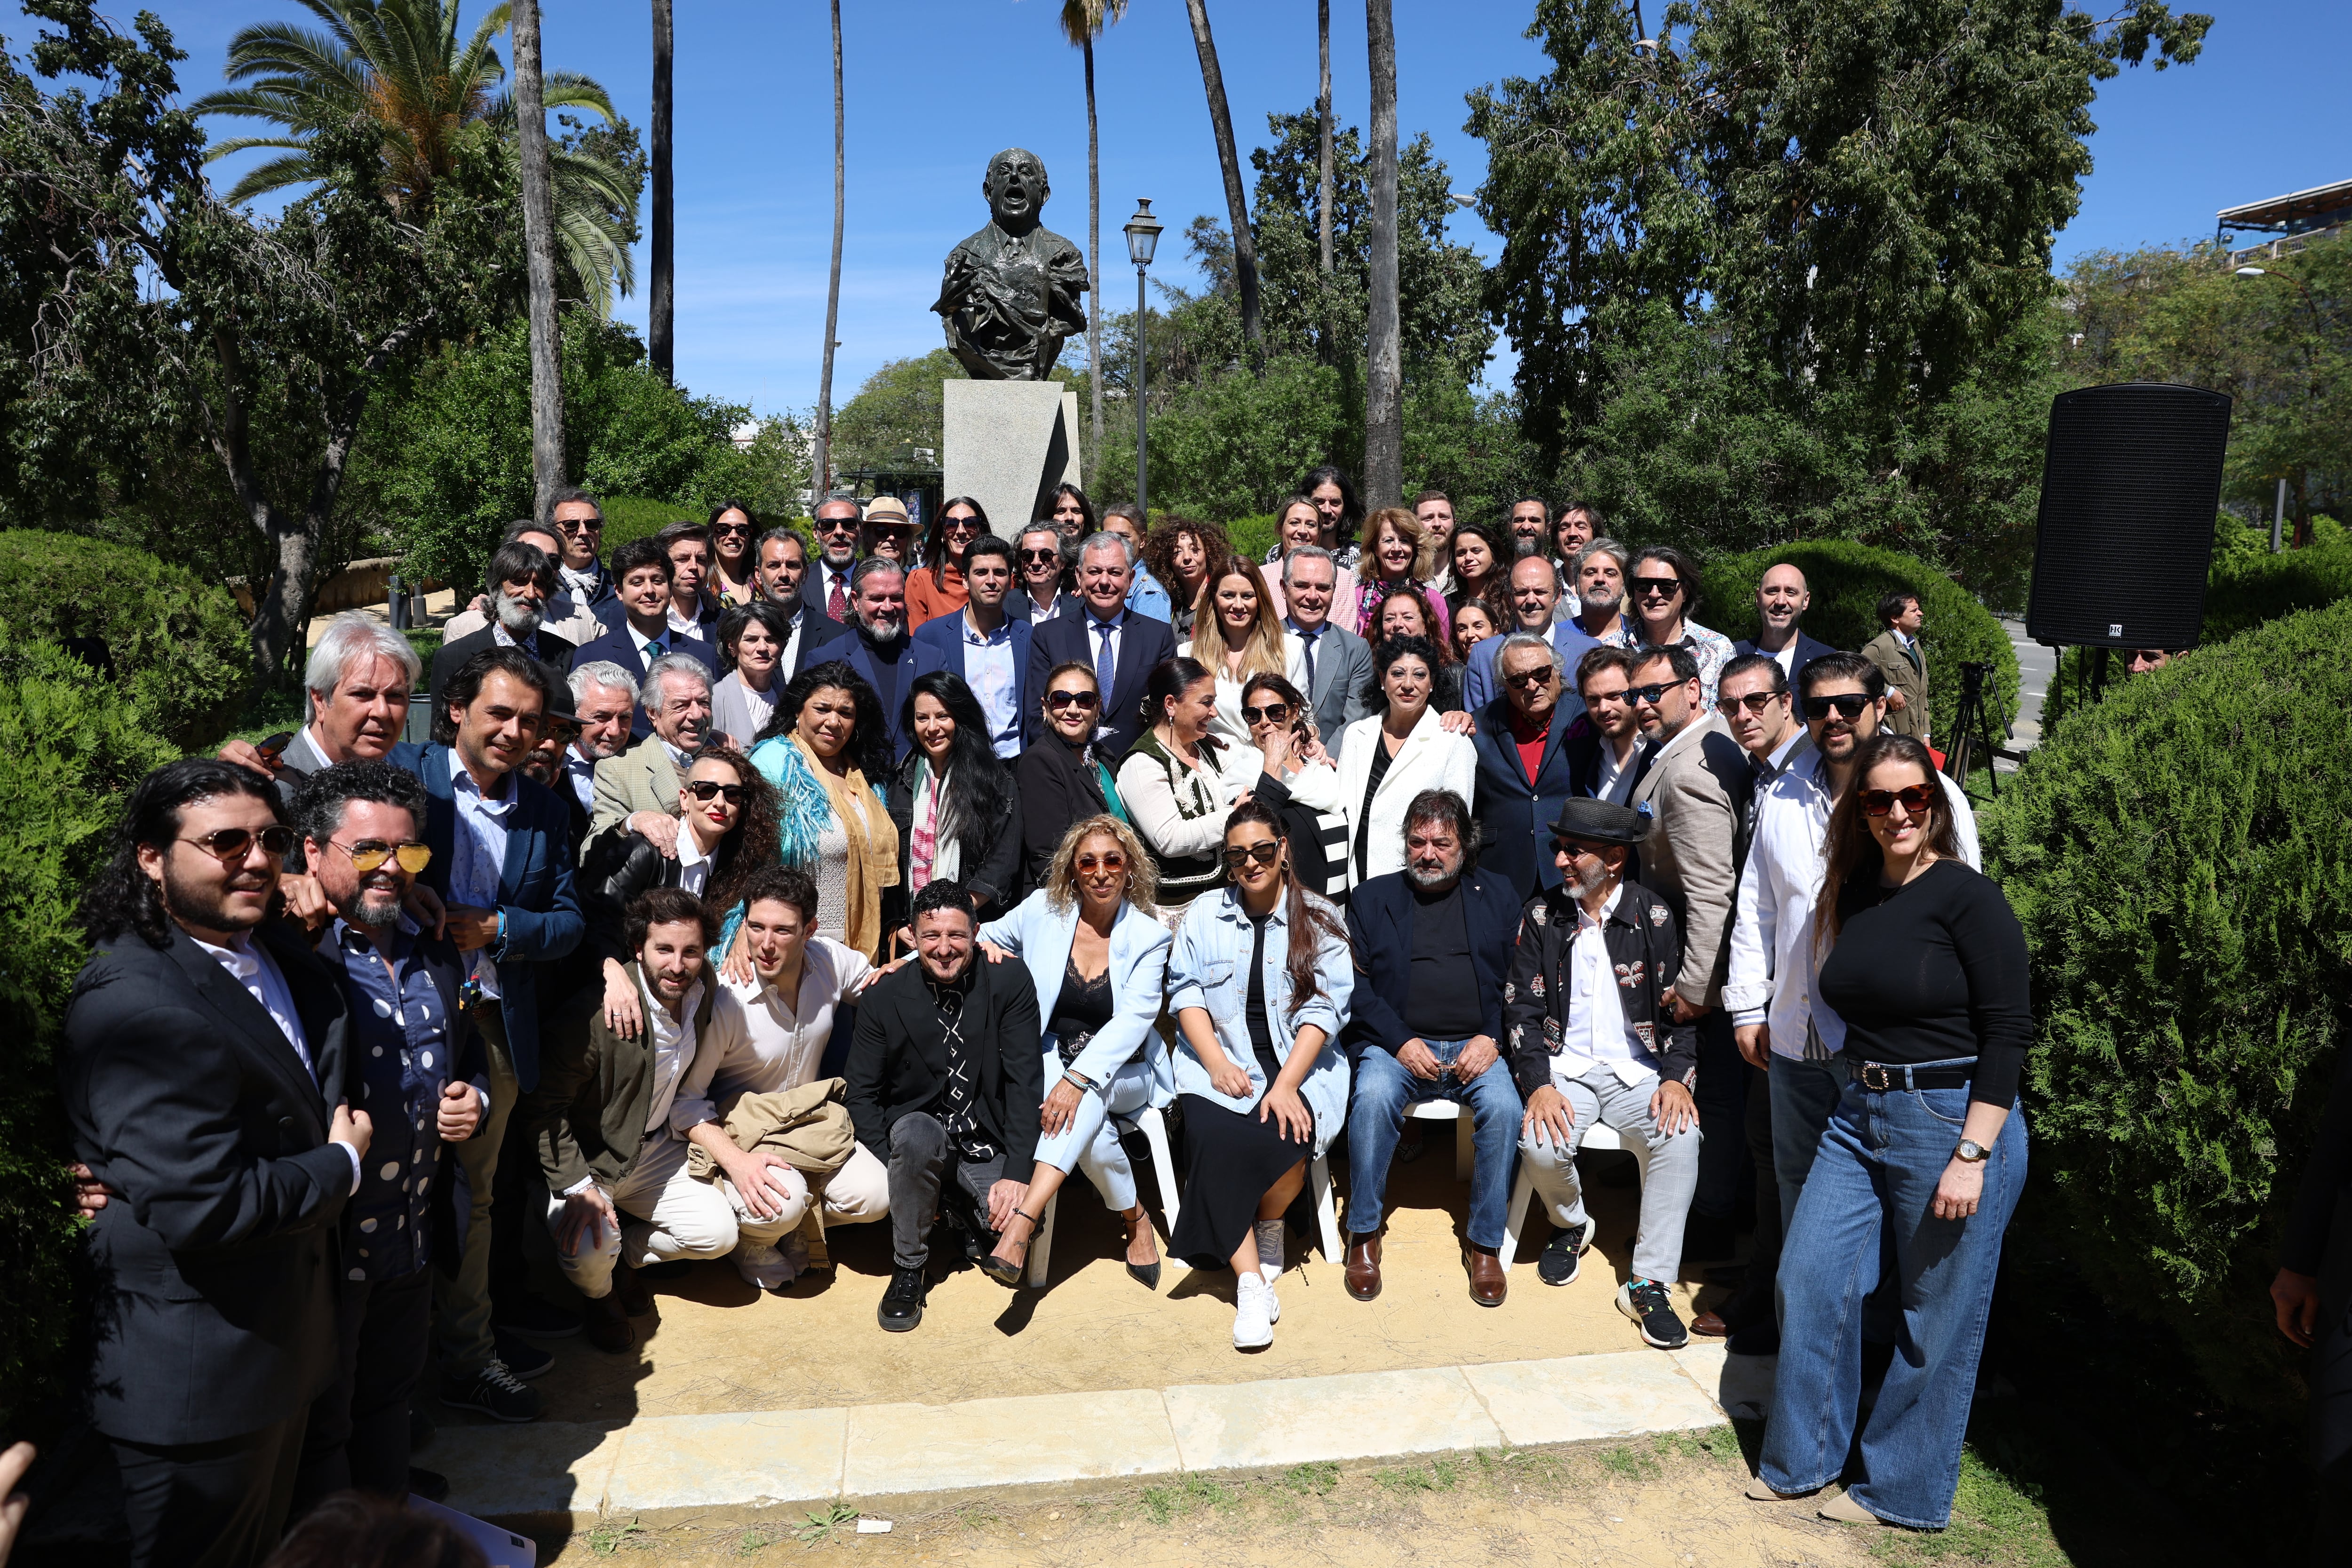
point(1759, 778)
point(654, 650)
point(1105, 667)
point(836, 603)
point(1308, 640)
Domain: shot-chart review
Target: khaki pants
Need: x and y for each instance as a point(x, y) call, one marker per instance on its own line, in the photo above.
point(666, 1216)
point(462, 1305)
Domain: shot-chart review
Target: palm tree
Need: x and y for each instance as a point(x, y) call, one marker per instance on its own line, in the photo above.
point(1384, 386)
point(400, 63)
point(1082, 22)
point(547, 465)
point(1220, 121)
point(662, 308)
point(824, 453)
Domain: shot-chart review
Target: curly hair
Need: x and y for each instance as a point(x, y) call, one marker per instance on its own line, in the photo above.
point(754, 841)
point(122, 898)
point(869, 748)
point(1142, 888)
point(1420, 600)
point(1386, 653)
point(1494, 593)
point(1159, 549)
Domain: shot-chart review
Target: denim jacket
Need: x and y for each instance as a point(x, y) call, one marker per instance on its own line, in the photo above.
point(1209, 969)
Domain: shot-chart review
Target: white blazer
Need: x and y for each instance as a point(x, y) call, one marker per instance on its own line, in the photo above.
point(1040, 936)
point(1429, 759)
point(1227, 725)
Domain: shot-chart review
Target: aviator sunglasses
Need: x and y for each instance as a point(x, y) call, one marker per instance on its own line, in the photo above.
point(370, 854)
point(235, 842)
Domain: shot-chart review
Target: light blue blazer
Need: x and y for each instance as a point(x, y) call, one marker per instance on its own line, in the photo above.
point(1039, 934)
point(1209, 969)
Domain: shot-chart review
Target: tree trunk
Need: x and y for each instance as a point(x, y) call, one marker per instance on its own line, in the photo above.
point(1384, 386)
point(1221, 120)
point(1323, 115)
point(661, 322)
point(821, 481)
point(546, 463)
point(1094, 277)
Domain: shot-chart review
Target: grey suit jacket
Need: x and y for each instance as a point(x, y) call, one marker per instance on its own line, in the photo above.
point(642, 778)
point(1343, 668)
point(1694, 790)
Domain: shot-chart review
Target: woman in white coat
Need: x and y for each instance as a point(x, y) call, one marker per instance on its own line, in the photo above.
point(1100, 962)
point(1388, 758)
point(1239, 636)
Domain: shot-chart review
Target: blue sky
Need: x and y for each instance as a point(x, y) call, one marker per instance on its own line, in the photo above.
point(936, 86)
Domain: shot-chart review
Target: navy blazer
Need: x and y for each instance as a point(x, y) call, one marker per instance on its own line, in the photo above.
point(1516, 819)
point(613, 615)
point(1808, 651)
point(857, 653)
point(1480, 687)
point(937, 644)
point(1144, 644)
point(543, 922)
point(620, 647)
point(1380, 922)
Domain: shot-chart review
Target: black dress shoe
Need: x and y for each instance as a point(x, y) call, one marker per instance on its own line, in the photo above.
point(1759, 1337)
point(902, 1303)
point(430, 1485)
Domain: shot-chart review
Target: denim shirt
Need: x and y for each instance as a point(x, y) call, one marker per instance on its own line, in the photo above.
point(405, 1047)
point(1209, 969)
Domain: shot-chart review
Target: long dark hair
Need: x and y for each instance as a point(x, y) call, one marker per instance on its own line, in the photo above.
point(755, 839)
point(1170, 678)
point(1850, 849)
point(1310, 920)
point(1351, 511)
point(123, 898)
point(978, 797)
point(935, 537)
point(869, 748)
point(1086, 508)
point(1494, 592)
point(751, 556)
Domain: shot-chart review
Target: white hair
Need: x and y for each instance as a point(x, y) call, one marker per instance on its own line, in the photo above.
point(1309, 552)
point(650, 695)
point(600, 672)
point(352, 638)
point(1545, 645)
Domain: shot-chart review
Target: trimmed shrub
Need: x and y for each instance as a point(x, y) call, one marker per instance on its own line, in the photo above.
point(1846, 580)
point(179, 646)
point(2179, 856)
point(70, 751)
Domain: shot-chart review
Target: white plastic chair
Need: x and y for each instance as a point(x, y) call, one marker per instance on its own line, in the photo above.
point(1599, 1135)
point(1154, 1128)
point(1465, 1145)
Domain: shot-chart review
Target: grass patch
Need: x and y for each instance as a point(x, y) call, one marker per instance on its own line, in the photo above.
point(1437, 1476)
point(1996, 1522)
point(1312, 1481)
point(1194, 1494)
point(1629, 1464)
point(605, 1539)
point(822, 1527)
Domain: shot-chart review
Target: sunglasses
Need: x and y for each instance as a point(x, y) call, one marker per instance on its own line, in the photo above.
point(837, 525)
point(370, 854)
point(724, 528)
point(1650, 693)
point(1058, 700)
point(235, 842)
point(1114, 861)
point(1527, 681)
point(1271, 713)
point(703, 789)
point(1265, 851)
point(577, 525)
point(1755, 701)
point(967, 521)
point(1915, 799)
point(1848, 704)
point(1037, 557)
point(1665, 587)
point(1571, 846)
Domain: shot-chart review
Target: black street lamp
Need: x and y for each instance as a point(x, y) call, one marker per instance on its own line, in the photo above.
point(1142, 239)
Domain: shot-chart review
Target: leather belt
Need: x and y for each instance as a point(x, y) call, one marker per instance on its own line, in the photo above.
point(1882, 1077)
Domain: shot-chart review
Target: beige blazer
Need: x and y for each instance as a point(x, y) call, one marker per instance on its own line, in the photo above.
point(642, 778)
point(1693, 789)
point(1884, 651)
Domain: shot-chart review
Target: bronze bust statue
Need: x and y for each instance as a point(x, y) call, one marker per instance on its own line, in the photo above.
point(1014, 291)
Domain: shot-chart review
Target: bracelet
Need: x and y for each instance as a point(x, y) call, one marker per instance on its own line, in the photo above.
point(1070, 1076)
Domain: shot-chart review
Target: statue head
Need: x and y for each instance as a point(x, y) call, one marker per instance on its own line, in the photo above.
point(1016, 189)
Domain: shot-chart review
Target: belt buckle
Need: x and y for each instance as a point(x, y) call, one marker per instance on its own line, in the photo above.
point(1875, 1077)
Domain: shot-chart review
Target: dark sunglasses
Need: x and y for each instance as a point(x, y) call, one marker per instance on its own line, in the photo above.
point(1036, 555)
point(724, 528)
point(1271, 713)
point(578, 525)
point(1755, 701)
point(1060, 699)
point(1915, 799)
point(1114, 861)
point(1650, 693)
point(837, 525)
point(1530, 679)
point(1848, 704)
point(235, 842)
point(703, 789)
point(1573, 846)
point(368, 854)
point(1665, 586)
point(1265, 852)
point(965, 520)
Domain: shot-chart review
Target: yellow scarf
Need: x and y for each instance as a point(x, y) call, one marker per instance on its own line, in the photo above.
point(872, 850)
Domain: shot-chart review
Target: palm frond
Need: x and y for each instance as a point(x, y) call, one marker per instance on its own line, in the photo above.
point(281, 47)
point(570, 89)
point(594, 252)
point(278, 174)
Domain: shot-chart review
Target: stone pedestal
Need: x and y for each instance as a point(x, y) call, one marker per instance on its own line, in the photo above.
point(1007, 445)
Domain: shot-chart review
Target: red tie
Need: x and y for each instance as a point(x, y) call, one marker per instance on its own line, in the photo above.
point(837, 604)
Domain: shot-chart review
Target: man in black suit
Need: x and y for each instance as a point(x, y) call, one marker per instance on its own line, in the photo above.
point(1526, 770)
point(783, 567)
point(203, 1083)
point(1038, 562)
point(877, 648)
point(840, 529)
point(1781, 600)
point(945, 1077)
point(1121, 647)
point(523, 578)
point(644, 634)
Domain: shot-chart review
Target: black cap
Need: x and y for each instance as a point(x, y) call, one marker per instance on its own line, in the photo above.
point(1601, 822)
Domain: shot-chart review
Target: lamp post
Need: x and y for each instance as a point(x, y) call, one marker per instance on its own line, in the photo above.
point(1142, 239)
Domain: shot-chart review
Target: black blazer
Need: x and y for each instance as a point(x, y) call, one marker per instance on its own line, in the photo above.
point(1380, 922)
point(619, 647)
point(554, 657)
point(215, 1267)
point(619, 867)
point(1808, 651)
point(1516, 819)
point(1057, 791)
point(819, 633)
point(1144, 644)
point(990, 859)
point(898, 1058)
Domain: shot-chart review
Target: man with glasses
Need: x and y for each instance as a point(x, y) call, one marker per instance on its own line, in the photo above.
point(416, 1066)
point(1038, 561)
point(988, 649)
point(1597, 576)
point(644, 634)
point(1663, 587)
point(202, 1080)
point(1781, 600)
point(1535, 602)
point(1605, 756)
point(523, 580)
point(1780, 1026)
point(579, 521)
point(889, 533)
point(1526, 764)
point(1338, 662)
point(825, 586)
point(1120, 646)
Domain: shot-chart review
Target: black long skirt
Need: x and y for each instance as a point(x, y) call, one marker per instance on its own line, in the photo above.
point(1231, 1160)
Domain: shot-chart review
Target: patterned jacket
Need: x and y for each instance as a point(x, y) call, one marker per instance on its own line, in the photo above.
point(1644, 948)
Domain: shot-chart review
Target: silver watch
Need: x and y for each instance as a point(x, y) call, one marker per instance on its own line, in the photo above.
point(1972, 1152)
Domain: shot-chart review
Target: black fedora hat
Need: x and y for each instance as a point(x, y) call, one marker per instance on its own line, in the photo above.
point(1601, 822)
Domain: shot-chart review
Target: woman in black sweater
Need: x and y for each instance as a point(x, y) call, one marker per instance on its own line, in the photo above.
point(1925, 1155)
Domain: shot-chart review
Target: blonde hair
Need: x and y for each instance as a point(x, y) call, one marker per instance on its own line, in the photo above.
point(1408, 528)
point(1142, 877)
point(1262, 655)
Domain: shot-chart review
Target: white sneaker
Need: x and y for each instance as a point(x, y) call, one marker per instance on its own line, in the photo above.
point(1273, 1301)
point(1253, 1320)
point(763, 1267)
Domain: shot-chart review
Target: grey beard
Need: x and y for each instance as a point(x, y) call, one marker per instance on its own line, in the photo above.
point(884, 629)
point(519, 617)
point(1591, 882)
point(1602, 604)
point(1425, 881)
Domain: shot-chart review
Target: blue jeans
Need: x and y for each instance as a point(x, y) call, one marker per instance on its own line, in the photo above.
point(1384, 1089)
point(1803, 1094)
point(1875, 1177)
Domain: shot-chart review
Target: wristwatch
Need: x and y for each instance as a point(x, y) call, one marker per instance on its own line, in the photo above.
point(1972, 1152)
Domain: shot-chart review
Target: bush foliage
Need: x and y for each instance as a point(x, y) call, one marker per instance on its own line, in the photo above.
point(178, 645)
point(2179, 858)
point(70, 750)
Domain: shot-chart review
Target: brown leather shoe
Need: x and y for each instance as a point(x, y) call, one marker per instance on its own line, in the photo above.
point(1364, 1265)
point(1487, 1281)
point(1711, 1324)
point(607, 1325)
point(635, 1299)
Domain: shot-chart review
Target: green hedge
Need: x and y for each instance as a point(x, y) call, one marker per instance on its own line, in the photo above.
point(179, 646)
point(2179, 857)
point(70, 750)
point(1846, 580)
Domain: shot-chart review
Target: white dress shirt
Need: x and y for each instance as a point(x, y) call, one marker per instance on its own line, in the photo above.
point(249, 965)
point(1616, 777)
point(479, 855)
point(1118, 624)
point(673, 1047)
point(693, 865)
point(1597, 1031)
point(988, 670)
point(582, 771)
point(761, 1041)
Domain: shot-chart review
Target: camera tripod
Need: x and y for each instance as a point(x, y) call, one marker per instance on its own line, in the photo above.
point(1972, 730)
